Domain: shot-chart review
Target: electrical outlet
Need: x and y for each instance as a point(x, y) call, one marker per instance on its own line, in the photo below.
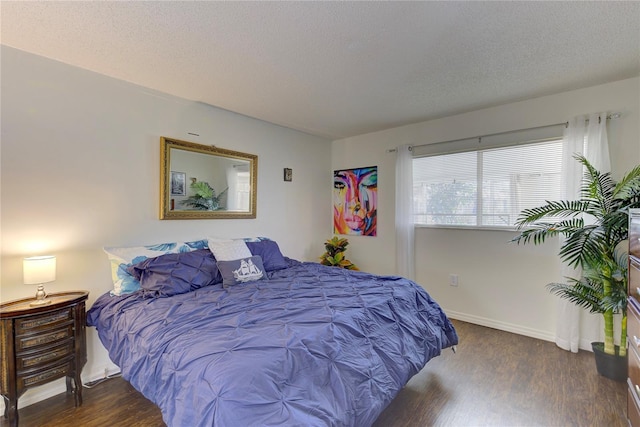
point(453, 280)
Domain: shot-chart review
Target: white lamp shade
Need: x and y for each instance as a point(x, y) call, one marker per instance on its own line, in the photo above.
point(39, 269)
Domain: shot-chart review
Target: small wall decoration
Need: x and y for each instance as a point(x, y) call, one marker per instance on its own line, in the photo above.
point(178, 183)
point(355, 201)
point(288, 174)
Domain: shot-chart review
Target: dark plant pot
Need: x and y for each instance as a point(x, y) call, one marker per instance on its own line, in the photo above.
point(610, 366)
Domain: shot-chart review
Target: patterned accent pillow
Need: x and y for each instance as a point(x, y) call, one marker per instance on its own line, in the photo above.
point(228, 250)
point(179, 273)
point(123, 257)
point(242, 271)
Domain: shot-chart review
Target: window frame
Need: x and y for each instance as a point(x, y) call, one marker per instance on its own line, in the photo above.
point(479, 182)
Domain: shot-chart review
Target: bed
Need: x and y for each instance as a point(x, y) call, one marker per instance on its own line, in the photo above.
point(307, 345)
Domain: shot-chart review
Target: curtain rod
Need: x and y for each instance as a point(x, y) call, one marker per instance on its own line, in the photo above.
point(611, 116)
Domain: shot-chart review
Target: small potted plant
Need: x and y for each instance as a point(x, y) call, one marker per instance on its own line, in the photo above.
point(594, 228)
point(334, 255)
point(204, 198)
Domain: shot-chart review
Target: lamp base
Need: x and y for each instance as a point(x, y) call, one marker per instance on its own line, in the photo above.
point(41, 298)
point(40, 302)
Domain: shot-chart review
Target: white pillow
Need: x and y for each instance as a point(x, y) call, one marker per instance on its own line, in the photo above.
point(228, 250)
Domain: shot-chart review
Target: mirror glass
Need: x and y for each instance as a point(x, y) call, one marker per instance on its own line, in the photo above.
point(205, 182)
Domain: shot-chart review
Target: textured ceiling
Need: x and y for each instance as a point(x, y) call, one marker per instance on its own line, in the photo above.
point(338, 69)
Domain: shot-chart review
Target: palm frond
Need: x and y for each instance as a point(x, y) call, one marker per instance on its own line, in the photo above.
point(600, 190)
point(584, 293)
point(611, 271)
point(582, 246)
point(590, 173)
point(629, 185)
point(617, 226)
point(203, 189)
point(559, 209)
point(539, 231)
point(204, 197)
point(597, 187)
point(594, 227)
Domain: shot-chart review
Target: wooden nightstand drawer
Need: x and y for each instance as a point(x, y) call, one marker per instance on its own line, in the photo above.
point(634, 279)
point(633, 411)
point(45, 375)
point(634, 372)
point(42, 343)
point(55, 336)
point(633, 325)
point(49, 355)
point(43, 322)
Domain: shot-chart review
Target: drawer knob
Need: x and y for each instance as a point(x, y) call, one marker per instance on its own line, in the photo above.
point(638, 291)
point(637, 389)
point(636, 340)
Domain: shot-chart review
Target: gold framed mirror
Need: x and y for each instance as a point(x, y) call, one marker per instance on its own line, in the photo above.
point(206, 182)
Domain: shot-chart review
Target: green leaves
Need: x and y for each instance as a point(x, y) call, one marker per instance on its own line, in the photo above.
point(334, 255)
point(593, 227)
point(552, 210)
point(629, 187)
point(203, 190)
point(538, 231)
point(583, 293)
point(600, 289)
point(335, 245)
point(204, 197)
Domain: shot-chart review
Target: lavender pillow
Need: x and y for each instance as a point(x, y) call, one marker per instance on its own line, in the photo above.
point(242, 271)
point(270, 253)
point(178, 273)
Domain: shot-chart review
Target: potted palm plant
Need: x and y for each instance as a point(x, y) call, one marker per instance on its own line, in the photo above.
point(204, 197)
point(594, 228)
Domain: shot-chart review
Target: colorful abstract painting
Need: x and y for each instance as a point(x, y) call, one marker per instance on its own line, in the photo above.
point(355, 201)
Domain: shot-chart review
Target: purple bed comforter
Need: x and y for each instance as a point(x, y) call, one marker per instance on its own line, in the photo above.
point(313, 346)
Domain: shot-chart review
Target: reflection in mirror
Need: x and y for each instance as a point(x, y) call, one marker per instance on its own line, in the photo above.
point(205, 182)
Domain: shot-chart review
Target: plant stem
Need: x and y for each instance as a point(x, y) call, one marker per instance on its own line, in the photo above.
point(609, 346)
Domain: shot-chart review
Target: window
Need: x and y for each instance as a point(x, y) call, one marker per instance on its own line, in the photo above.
point(243, 186)
point(485, 188)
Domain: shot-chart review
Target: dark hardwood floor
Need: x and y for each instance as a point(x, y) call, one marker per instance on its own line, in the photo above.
point(495, 379)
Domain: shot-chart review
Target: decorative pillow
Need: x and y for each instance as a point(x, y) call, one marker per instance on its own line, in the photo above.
point(270, 253)
point(242, 271)
point(228, 250)
point(178, 273)
point(123, 257)
point(254, 239)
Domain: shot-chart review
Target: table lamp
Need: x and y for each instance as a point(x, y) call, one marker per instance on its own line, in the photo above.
point(38, 270)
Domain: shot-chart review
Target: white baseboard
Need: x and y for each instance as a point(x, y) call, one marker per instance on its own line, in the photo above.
point(45, 391)
point(510, 327)
point(503, 326)
point(585, 345)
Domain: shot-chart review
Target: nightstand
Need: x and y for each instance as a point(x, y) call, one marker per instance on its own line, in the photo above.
point(41, 344)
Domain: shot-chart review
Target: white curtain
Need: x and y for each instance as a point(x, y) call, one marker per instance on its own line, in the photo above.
point(405, 256)
point(232, 192)
point(587, 136)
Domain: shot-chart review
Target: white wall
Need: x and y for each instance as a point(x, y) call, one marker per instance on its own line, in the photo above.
point(501, 285)
point(80, 169)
